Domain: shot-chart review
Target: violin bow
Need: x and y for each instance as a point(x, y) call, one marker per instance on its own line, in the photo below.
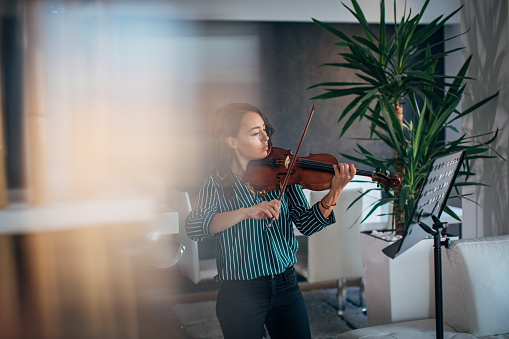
point(290, 168)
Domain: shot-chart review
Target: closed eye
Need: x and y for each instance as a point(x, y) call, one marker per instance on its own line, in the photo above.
point(264, 129)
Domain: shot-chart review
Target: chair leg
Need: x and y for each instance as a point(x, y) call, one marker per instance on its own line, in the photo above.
point(362, 296)
point(341, 297)
point(361, 293)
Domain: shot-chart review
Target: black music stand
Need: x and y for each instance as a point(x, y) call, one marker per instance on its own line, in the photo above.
point(427, 211)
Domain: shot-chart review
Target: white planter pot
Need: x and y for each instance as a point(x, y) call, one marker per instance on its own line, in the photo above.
point(398, 289)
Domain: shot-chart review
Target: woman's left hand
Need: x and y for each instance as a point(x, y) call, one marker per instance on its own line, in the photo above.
point(343, 174)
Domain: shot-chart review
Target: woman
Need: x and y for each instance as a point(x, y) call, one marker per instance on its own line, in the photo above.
point(255, 262)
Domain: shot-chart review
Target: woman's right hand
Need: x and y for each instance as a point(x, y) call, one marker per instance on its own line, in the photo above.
point(265, 209)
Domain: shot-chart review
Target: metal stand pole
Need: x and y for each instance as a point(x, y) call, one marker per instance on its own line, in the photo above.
point(439, 307)
point(438, 243)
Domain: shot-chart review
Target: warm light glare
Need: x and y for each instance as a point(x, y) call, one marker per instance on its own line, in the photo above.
point(117, 99)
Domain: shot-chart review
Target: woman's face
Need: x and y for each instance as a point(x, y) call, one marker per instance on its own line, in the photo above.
point(252, 141)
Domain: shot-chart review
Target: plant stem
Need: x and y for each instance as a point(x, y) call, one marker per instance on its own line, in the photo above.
point(399, 217)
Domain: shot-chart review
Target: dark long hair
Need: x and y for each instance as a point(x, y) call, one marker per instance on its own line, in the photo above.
point(226, 122)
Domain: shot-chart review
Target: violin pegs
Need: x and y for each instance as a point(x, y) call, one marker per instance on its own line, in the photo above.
point(378, 169)
point(387, 173)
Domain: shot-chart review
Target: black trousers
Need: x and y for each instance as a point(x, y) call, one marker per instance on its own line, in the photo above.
point(244, 306)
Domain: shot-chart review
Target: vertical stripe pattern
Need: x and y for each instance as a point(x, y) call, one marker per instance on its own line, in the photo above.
point(250, 249)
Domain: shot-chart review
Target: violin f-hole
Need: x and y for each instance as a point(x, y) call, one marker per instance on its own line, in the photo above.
point(281, 175)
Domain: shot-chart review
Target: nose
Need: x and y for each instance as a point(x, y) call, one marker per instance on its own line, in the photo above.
point(265, 136)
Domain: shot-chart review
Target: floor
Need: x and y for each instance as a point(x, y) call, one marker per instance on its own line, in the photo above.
point(184, 291)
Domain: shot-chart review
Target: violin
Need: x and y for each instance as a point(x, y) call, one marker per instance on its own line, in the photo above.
point(274, 171)
point(313, 172)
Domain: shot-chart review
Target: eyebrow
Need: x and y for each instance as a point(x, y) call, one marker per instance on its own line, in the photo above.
point(255, 128)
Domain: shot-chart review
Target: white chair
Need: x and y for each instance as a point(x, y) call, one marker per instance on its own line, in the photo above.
point(335, 252)
point(190, 265)
point(162, 247)
point(159, 249)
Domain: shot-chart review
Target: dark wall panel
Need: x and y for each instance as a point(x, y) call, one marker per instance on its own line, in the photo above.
point(290, 55)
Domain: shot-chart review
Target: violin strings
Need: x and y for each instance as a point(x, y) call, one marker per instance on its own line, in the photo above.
point(324, 166)
point(311, 163)
point(327, 166)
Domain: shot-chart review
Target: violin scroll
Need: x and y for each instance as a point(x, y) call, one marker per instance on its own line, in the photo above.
point(388, 182)
point(385, 180)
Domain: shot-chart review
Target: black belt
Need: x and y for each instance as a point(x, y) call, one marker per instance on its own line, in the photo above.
point(284, 275)
point(288, 272)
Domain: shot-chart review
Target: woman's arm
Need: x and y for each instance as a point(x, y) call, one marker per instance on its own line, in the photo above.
point(310, 220)
point(327, 211)
point(225, 220)
point(342, 176)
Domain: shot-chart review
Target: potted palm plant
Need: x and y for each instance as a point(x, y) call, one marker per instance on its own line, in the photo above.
point(401, 67)
point(392, 68)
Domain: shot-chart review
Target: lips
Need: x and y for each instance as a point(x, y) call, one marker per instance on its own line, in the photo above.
point(265, 148)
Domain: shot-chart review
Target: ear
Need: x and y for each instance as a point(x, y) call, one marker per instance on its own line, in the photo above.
point(231, 142)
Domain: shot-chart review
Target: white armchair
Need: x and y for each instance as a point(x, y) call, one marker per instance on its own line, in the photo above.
point(476, 297)
point(333, 253)
point(191, 265)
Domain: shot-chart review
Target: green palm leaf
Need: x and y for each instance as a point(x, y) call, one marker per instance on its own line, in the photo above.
point(398, 67)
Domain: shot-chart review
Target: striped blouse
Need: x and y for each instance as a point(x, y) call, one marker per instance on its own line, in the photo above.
point(250, 249)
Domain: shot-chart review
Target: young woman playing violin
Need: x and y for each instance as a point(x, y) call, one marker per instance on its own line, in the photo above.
point(255, 262)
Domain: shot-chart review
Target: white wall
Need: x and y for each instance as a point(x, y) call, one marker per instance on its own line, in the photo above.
point(300, 10)
point(452, 65)
point(488, 42)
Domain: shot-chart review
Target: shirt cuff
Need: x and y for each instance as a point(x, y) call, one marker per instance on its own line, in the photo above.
point(206, 225)
point(331, 219)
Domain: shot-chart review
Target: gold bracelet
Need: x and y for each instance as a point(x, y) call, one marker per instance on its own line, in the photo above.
point(328, 206)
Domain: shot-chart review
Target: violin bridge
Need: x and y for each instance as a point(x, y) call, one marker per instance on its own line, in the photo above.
point(287, 161)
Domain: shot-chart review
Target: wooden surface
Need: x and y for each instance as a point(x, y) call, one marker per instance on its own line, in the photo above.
point(93, 282)
point(3, 170)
